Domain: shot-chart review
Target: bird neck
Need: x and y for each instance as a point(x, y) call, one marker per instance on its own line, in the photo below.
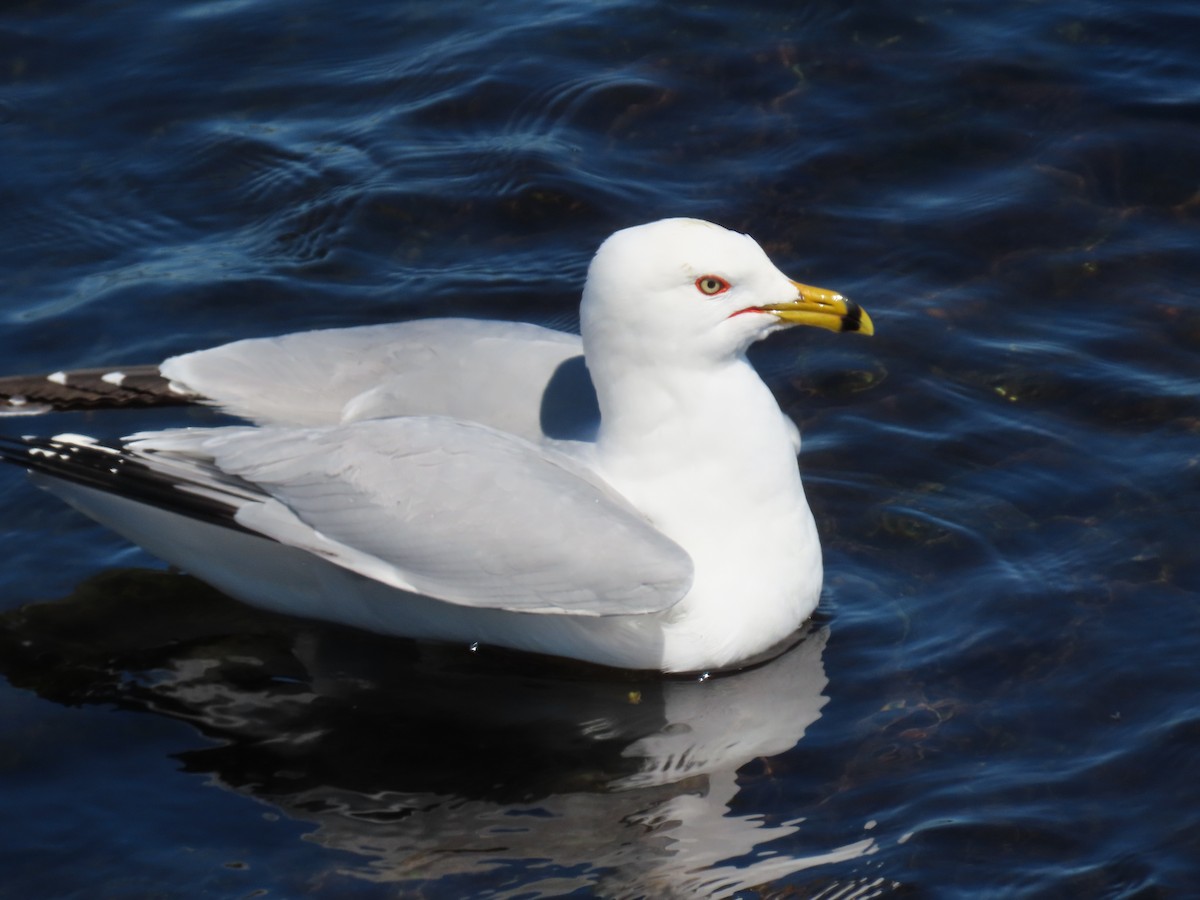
point(709, 458)
point(716, 428)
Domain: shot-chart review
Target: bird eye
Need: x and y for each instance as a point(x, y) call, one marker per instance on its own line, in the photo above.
point(711, 285)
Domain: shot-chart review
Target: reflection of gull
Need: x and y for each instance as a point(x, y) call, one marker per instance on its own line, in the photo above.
point(438, 767)
point(664, 830)
point(436, 504)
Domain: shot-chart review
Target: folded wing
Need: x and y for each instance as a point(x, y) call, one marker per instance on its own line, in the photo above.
point(450, 509)
point(519, 378)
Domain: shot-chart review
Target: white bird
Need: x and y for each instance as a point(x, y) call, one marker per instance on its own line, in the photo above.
point(446, 479)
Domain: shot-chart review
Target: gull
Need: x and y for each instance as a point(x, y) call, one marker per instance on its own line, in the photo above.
point(470, 481)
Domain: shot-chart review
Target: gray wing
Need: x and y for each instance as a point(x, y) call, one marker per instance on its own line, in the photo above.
point(449, 509)
point(519, 378)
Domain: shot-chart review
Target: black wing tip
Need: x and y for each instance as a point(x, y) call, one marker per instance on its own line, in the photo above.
point(112, 469)
point(121, 387)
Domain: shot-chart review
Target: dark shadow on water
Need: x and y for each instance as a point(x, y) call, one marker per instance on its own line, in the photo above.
point(438, 764)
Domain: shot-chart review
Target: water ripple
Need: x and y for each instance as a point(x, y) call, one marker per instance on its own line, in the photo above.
point(1005, 476)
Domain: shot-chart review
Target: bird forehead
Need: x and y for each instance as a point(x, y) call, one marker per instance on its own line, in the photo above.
point(669, 255)
point(680, 239)
point(719, 252)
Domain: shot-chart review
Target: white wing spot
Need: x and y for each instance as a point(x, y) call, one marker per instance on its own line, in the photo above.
point(115, 378)
point(68, 438)
point(57, 377)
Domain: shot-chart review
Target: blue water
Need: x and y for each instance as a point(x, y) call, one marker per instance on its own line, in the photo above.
point(999, 697)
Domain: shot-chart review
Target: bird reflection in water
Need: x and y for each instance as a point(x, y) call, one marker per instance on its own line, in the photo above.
point(427, 761)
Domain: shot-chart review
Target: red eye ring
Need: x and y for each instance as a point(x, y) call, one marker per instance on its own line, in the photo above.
point(711, 285)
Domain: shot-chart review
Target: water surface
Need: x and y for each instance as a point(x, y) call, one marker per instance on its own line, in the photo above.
point(999, 694)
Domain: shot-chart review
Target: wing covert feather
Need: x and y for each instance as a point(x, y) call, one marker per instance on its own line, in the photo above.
point(496, 373)
point(453, 510)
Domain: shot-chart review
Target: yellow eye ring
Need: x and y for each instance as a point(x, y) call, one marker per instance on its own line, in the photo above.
point(711, 285)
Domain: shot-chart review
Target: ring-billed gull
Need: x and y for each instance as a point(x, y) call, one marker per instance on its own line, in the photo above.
point(447, 479)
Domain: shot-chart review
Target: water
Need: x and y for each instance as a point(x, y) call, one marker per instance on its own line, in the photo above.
point(999, 695)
